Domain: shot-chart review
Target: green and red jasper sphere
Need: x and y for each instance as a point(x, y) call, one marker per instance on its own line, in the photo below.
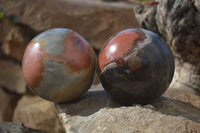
point(59, 65)
point(136, 66)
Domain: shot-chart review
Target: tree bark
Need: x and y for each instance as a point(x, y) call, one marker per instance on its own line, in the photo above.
point(178, 23)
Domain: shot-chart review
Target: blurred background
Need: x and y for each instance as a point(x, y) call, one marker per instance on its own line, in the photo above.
point(20, 21)
point(176, 21)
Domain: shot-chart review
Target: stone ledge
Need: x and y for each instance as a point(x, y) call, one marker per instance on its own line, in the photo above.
point(95, 112)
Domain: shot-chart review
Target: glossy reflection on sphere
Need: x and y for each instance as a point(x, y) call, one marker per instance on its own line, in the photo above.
point(136, 66)
point(59, 65)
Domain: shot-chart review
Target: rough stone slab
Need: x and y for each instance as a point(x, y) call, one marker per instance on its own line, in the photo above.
point(37, 113)
point(184, 95)
point(11, 77)
point(95, 112)
point(4, 99)
point(8, 103)
point(96, 20)
point(14, 39)
point(12, 127)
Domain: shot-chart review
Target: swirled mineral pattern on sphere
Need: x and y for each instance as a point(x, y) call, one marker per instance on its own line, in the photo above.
point(135, 66)
point(59, 65)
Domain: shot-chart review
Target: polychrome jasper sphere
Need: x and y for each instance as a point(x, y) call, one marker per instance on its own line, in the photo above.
point(59, 65)
point(136, 66)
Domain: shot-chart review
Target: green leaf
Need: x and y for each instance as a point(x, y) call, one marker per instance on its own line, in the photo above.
point(1, 15)
point(11, 23)
point(141, 1)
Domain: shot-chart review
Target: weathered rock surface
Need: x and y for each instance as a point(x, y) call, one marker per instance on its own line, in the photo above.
point(11, 77)
point(197, 4)
point(8, 103)
point(11, 127)
point(177, 21)
point(186, 76)
point(95, 20)
point(15, 39)
point(37, 113)
point(184, 95)
point(95, 112)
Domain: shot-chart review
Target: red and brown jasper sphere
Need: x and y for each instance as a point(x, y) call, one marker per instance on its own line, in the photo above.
point(59, 65)
point(136, 66)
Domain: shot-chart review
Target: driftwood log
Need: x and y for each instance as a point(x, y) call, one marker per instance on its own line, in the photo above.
point(178, 23)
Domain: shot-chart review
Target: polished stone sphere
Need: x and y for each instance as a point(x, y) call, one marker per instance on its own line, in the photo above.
point(59, 65)
point(135, 66)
